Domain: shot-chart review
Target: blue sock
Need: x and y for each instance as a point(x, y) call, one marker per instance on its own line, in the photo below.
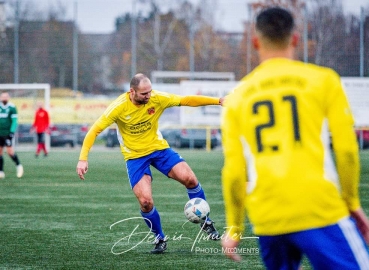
point(155, 225)
point(196, 192)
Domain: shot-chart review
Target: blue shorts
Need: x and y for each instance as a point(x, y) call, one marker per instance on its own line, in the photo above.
point(162, 160)
point(339, 246)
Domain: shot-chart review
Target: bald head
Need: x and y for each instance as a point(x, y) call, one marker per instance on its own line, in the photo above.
point(137, 79)
point(140, 89)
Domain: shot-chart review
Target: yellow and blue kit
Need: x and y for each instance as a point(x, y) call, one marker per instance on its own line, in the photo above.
point(275, 131)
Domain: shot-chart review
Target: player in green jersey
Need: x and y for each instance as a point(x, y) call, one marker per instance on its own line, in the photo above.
point(8, 125)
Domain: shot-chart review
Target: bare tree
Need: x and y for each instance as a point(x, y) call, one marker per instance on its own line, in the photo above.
point(28, 10)
point(45, 45)
point(16, 11)
point(163, 33)
point(326, 17)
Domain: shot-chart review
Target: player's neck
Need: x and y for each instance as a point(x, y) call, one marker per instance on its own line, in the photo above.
point(265, 55)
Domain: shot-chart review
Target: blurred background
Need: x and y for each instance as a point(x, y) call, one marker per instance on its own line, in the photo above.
point(88, 50)
point(42, 41)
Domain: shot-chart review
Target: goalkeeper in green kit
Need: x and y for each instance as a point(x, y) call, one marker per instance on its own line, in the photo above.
point(8, 125)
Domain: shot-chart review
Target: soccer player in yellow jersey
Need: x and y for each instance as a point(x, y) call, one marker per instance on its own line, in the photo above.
point(278, 166)
point(136, 114)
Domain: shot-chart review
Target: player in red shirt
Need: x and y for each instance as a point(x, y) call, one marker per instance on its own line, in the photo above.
point(41, 125)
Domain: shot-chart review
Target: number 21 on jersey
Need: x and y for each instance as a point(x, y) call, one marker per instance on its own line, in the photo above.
point(288, 100)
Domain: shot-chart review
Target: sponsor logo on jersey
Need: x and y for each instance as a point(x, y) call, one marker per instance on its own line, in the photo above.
point(140, 127)
point(151, 110)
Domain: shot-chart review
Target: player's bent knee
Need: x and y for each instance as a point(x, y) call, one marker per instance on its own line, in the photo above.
point(146, 205)
point(191, 183)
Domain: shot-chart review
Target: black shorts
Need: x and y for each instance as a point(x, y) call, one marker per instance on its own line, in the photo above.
point(5, 141)
point(40, 137)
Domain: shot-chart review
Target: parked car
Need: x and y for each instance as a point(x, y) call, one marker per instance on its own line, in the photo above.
point(190, 137)
point(81, 133)
point(23, 135)
point(365, 137)
point(111, 138)
point(66, 134)
point(179, 138)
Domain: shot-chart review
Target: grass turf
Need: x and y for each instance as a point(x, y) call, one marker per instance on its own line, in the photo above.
point(52, 220)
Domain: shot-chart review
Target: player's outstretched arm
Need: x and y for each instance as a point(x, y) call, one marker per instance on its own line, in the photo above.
point(233, 183)
point(362, 223)
point(196, 101)
point(82, 165)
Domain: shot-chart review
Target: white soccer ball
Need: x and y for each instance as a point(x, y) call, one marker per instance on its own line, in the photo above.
point(197, 210)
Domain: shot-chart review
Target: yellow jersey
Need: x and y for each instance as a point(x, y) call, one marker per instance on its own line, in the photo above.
point(278, 166)
point(138, 126)
point(138, 131)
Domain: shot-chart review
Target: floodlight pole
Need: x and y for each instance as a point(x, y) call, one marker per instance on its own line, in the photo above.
point(133, 40)
point(75, 49)
point(248, 52)
point(192, 52)
point(362, 42)
point(16, 43)
point(305, 37)
point(2, 20)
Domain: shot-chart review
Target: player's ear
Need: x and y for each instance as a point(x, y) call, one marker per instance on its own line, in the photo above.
point(295, 39)
point(256, 42)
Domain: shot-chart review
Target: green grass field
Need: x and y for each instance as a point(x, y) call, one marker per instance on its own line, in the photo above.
point(52, 220)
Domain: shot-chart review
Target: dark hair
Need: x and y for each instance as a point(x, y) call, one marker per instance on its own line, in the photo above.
point(136, 80)
point(275, 24)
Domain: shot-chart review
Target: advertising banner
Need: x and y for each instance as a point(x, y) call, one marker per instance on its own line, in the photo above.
point(357, 91)
point(63, 110)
